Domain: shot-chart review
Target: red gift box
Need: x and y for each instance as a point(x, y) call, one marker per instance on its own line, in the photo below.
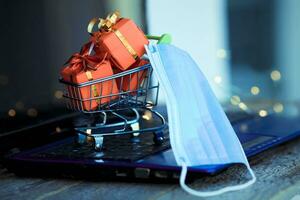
point(122, 39)
point(133, 81)
point(82, 68)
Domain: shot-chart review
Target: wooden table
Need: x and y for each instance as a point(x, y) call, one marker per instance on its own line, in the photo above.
point(277, 171)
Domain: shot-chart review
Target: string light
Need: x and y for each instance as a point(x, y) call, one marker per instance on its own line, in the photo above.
point(278, 107)
point(12, 113)
point(235, 100)
point(218, 79)
point(263, 113)
point(255, 90)
point(275, 75)
point(32, 112)
point(221, 53)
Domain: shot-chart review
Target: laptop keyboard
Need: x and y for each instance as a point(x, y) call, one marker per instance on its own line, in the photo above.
point(117, 148)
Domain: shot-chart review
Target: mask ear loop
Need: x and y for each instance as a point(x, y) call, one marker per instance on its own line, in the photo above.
point(215, 192)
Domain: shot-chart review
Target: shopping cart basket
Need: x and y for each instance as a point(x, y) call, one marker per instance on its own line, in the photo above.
point(124, 107)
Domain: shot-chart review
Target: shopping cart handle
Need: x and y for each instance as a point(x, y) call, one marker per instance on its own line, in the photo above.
point(163, 39)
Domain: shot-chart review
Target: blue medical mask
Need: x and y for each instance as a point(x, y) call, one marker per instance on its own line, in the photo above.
point(200, 132)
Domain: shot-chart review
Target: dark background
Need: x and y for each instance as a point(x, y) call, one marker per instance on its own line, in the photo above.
point(37, 37)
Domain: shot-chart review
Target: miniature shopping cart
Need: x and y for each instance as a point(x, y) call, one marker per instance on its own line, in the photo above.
point(118, 113)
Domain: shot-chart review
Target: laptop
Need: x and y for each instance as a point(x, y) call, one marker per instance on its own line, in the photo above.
point(51, 148)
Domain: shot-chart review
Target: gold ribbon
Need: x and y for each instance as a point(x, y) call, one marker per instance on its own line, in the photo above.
point(126, 44)
point(107, 25)
point(94, 88)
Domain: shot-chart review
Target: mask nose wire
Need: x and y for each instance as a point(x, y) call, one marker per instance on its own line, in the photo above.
point(183, 185)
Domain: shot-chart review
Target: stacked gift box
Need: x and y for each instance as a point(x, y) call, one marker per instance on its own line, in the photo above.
point(117, 46)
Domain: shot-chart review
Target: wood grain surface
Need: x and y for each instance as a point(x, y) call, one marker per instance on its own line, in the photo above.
point(277, 171)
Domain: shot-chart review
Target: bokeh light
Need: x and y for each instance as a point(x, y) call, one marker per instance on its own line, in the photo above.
point(12, 113)
point(218, 79)
point(243, 106)
point(235, 100)
point(58, 94)
point(58, 129)
point(32, 112)
point(278, 107)
point(255, 90)
point(263, 113)
point(275, 75)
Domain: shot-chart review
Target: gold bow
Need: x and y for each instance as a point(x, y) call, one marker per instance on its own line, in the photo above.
point(104, 24)
point(107, 24)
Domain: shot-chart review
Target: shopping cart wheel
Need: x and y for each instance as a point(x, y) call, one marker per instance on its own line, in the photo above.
point(158, 138)
point(98, 142)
